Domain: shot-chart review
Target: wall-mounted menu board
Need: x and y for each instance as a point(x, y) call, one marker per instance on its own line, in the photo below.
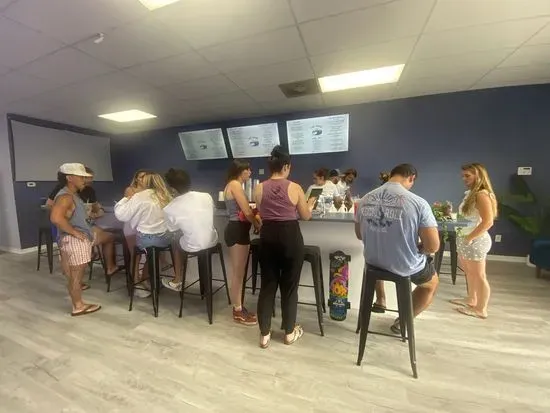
point(318, 135)
point(253, 141)
point(203, 144)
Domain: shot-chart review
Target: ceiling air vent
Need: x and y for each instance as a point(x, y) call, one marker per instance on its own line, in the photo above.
point(300, 88)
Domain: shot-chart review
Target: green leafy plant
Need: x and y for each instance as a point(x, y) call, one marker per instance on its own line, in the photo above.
point(442, 213)
point(525, 210)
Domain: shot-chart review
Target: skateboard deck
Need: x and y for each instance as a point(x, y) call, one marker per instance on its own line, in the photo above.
point(339, 277)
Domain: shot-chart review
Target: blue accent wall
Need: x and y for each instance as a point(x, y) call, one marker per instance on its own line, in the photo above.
point(502, 128)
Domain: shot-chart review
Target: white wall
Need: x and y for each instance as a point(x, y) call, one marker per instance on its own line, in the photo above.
point(9, 228)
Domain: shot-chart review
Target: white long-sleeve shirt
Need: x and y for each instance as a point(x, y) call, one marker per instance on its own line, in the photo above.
point(142, 213)
point(193, 214)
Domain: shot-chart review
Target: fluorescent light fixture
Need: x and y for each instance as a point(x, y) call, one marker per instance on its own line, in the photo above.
point(127, 116)
point(157, 4)
point(371, 77)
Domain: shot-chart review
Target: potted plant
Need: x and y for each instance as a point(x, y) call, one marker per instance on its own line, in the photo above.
point(443, 213)
point(525, 210)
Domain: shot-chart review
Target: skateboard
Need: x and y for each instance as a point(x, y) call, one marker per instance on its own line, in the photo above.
point(339, 277)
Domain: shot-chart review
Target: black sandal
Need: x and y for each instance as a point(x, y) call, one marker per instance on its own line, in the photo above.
point(377, 308)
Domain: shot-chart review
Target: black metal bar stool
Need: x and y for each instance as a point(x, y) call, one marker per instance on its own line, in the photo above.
point(120, 239)
point(45, 237)
point(153, 258)
point(451, 240)
point(404, 304)
point(312, 254)
point(254, 252)
point(96, 249)
point(204, 261)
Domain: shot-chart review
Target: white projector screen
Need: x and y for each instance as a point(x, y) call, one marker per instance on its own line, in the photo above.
point(39, 151)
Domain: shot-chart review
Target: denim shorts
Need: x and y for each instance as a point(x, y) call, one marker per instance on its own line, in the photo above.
point(161, 240)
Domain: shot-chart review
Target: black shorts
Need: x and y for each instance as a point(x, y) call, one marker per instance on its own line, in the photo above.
point(425, 274)
point(237, 232)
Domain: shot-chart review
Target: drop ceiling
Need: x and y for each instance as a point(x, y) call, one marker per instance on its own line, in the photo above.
point(204, 60)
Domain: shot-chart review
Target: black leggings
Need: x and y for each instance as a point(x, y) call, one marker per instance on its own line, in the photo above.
point(281, 260)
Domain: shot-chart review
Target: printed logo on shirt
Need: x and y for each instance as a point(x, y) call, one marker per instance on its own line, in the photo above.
point(382, 209)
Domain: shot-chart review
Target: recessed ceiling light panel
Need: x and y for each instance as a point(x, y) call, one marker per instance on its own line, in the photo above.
point(157, 4)
point(127, 116)
point(371, 77)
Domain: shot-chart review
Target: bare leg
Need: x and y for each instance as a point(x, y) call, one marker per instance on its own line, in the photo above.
point(238, 254)
point(481, 285)
point(107, 242)
point(178, 259)
point(380, 294)
point(423, 295)
point(471, 299)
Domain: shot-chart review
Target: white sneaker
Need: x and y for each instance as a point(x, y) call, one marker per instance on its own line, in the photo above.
point(171, 284)
point(142, 293)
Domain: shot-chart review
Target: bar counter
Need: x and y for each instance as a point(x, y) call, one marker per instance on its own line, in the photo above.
point(331, 232)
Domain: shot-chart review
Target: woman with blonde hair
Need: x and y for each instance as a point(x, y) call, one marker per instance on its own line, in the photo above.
point(142, 209)
point(479, 208)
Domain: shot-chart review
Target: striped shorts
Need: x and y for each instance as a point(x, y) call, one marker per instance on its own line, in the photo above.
point(76, 251)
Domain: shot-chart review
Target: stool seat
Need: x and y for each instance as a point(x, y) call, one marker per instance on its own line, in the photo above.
point(404, 302)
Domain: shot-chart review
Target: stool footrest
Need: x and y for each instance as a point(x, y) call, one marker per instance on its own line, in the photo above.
point(379, 333)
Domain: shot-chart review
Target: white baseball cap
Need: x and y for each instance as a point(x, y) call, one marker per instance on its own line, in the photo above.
point(76, 169)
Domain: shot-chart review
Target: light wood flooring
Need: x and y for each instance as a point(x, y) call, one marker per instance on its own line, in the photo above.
point(120, 361)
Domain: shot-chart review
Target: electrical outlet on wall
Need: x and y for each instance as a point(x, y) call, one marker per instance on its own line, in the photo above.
point(498, 238)
point(261, 171)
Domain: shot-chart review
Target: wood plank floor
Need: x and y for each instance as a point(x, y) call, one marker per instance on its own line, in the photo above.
point(120, 361)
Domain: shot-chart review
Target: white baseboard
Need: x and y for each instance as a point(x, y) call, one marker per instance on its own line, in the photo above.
point(24, 251)
point(502, 258)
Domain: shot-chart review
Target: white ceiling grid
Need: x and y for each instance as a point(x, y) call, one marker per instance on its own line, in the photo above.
point(201, 60)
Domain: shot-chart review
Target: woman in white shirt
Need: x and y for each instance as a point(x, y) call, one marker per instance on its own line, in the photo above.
point(192, 213)
point(142, 208)
point(479, 208)
point(320, 180)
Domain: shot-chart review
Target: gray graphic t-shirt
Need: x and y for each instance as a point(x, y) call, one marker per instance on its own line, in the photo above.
point(390, 217)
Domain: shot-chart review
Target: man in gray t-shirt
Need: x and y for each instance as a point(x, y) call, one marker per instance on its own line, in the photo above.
point(390, 220)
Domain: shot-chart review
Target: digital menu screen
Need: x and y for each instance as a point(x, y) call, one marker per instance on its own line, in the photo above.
point(203, 144)
point(253, 141)
point(318, 135)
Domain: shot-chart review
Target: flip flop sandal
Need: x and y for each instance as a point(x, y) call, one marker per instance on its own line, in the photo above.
point(88, 309)
point(296, 335)
point(377, 308)
point(470, 312)
point(84, 286)
point(460, 302)
point(266, 344)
